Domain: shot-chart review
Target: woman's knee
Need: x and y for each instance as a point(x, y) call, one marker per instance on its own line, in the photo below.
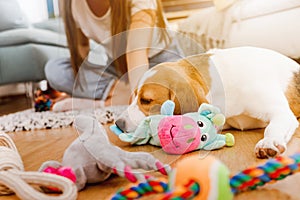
point(59, 74)
point(52, 72)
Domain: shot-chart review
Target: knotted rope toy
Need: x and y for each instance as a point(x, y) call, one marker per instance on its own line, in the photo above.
point(208, 178)
point(13, 178)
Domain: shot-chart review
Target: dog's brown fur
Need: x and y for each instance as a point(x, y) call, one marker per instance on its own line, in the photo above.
point(190, 81)
point(191, 87)
point(293, 94)
point(188, 91)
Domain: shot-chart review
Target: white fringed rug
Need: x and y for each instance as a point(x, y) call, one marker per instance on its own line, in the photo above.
point(30, 120)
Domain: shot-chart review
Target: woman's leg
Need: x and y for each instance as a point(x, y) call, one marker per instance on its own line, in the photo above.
point(59, 75)
point(92, 82)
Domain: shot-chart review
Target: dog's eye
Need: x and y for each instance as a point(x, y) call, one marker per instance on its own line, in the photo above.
point(201, 124)
point(145, 101)
point(204, 137)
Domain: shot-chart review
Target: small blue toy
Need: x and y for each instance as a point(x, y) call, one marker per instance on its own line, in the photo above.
point(42, 101)
point(179, 134)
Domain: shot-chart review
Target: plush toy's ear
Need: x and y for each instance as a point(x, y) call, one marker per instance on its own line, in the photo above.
point(167, 108)
point(218, 119)
point(208, 107)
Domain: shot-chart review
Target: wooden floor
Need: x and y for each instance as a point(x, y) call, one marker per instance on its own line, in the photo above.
point(35, 147)
point(11, 104)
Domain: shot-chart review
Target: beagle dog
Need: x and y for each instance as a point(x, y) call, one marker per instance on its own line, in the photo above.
point(254, 87)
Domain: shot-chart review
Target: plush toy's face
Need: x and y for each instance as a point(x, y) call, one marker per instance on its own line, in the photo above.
point(179, 134)
point(207, 128)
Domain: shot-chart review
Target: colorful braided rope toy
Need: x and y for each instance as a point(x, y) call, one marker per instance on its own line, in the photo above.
point(208, 179)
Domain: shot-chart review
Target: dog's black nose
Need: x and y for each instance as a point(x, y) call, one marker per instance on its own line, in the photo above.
point(120, 123)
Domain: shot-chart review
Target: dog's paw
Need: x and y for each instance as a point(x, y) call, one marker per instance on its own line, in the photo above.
point(269, 148)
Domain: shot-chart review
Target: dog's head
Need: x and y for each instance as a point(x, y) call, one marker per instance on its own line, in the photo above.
point(178, 81)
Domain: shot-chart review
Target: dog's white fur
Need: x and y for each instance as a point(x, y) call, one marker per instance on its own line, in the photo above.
point(249, 85)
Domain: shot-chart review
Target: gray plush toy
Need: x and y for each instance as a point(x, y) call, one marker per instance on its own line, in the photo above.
point(93, 158)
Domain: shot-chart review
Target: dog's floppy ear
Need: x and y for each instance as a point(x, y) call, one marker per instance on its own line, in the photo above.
point(187, 98)
point(190, 93)
point(201, 63)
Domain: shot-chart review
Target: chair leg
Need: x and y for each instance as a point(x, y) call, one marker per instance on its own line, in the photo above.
point(29, 91)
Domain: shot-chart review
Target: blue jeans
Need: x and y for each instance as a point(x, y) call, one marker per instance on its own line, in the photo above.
point(95, 81)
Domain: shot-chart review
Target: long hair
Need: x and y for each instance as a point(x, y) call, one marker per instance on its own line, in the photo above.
point(121, 16)
point(75, 37)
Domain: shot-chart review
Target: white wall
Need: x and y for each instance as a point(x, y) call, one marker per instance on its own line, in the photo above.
point(36, 10)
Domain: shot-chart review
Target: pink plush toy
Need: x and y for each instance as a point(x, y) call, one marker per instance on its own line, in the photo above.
point(61, 171)
point(178, 134)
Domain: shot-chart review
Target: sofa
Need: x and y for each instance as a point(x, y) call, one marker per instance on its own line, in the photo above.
point(262, 23)
point(25, 47)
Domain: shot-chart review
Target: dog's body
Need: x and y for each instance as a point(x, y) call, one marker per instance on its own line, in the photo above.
point(254, 87)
